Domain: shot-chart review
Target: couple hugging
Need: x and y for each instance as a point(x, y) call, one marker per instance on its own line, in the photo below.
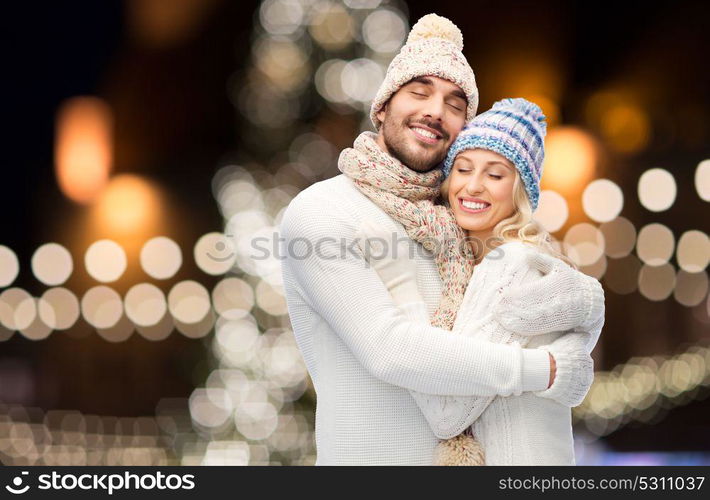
point(473, 348)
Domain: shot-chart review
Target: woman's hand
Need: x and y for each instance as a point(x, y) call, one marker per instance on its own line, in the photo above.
point(553, 370)
point(561, 299)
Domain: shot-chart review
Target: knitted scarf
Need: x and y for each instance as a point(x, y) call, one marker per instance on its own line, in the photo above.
point(407, 196)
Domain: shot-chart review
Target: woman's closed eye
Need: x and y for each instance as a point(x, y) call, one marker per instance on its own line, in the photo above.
point(464, 170)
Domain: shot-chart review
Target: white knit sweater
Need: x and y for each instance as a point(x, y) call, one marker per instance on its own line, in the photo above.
point(364, 354)
point(516, 430)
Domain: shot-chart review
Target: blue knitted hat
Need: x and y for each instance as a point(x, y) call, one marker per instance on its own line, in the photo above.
point(513, 128)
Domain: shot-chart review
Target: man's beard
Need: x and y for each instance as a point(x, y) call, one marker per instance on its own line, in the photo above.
point(393, 135)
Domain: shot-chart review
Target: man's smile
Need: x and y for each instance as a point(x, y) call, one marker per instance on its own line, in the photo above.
point(426, 134)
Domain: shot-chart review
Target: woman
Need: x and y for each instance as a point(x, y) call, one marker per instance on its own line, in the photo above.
point(491, 188)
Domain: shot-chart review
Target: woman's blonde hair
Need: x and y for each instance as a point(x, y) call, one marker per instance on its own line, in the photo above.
point(520, 226)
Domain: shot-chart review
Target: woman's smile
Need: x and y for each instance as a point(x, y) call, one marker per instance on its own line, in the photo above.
point(473, 205)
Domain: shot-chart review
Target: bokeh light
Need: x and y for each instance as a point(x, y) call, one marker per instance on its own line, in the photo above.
point(58, 308)
point(105, 261)
point(691, 288)
point(619, 237)
point(9, 266)
point(384, 30)
point(83, 148)
point(552, 211)
point(145, 304)
point(236, 341)
point(596, 269)
point(52, 264)
point(586, 243)
point(657, 282)
point(233, 298)
point(214, 253)
point(693, 252)
point(18, 309)
point(329, 81)
point(161, 258)
point(360, 80)
point(37, 329)
point(571, 158)
point(127, 206)
point(602, 200)
point(331, 26)
point(189, 302)
point(102, 307)
point(281, 17)
point(271, 299)
point(702, 180)
point(657, 189)
point(655, 244)
point(284, 63)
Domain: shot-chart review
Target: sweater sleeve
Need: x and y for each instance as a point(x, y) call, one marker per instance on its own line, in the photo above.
point(333, 278)
point(447, 416)
point(575, 366)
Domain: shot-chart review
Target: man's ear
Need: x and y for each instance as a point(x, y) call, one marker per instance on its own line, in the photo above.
point(382, 112)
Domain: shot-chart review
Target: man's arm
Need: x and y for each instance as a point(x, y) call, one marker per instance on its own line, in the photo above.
point(448, 416)
point(322, 255)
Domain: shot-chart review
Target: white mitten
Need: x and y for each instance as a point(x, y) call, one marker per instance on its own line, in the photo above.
point(562, 299)
point(388, 254)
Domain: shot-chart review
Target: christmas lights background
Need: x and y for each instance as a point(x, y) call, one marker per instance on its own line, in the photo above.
point(151, 143)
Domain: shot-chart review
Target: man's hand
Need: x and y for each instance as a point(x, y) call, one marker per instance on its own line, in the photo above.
point(573, 371)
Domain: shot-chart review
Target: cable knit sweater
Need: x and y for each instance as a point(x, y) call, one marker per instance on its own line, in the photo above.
point(516, 430)
point(364, 354)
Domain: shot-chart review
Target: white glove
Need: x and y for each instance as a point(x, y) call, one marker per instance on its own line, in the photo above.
point(388, 254)
point(562, 299)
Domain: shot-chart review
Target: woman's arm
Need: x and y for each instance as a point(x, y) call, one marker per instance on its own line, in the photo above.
point(448, 416)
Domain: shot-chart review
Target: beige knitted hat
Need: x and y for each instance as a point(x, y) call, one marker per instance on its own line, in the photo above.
point(433, 48)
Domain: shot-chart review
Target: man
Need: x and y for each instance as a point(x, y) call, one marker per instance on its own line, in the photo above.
point(363, 355)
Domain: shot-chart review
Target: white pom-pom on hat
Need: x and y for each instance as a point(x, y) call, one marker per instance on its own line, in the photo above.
point(433, 26)
point(433, 48)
